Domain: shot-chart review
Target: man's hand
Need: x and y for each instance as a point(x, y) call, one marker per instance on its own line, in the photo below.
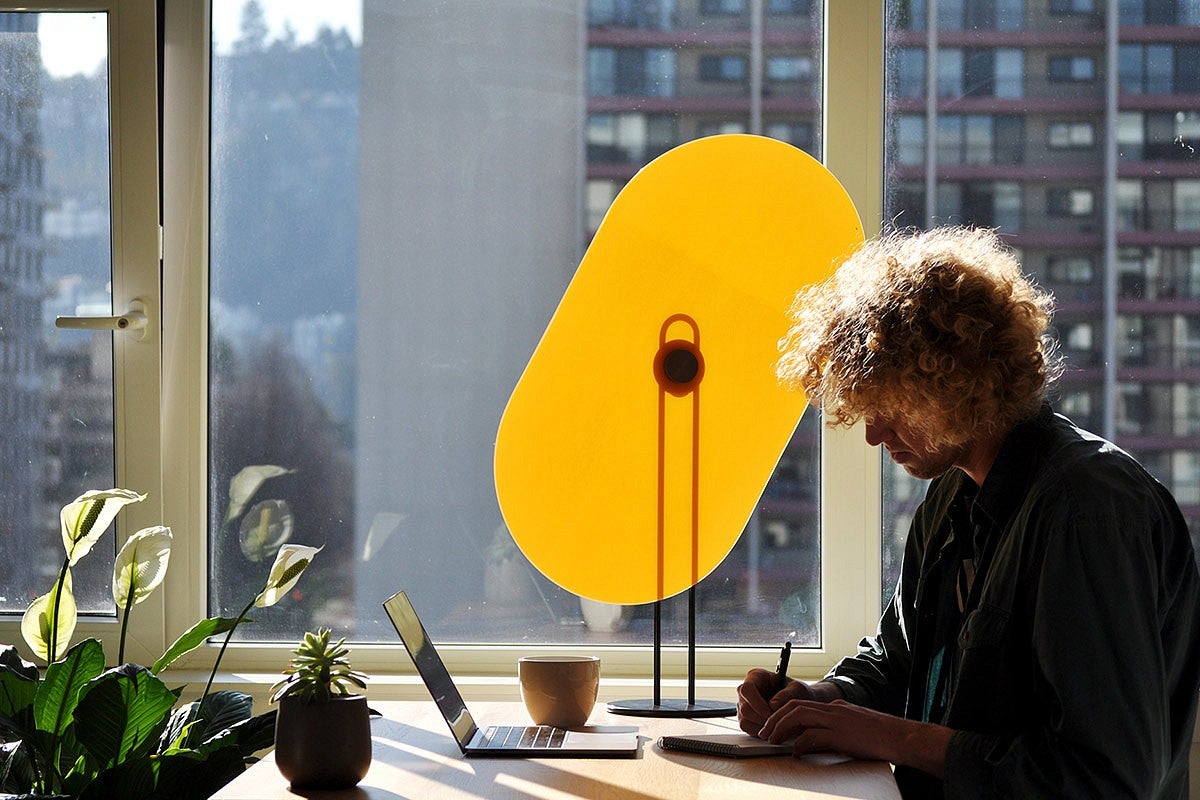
point(759, 697)
point(841, 727)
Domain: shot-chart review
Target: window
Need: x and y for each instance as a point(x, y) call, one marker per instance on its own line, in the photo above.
point(631, 71)
point(1159, 68)
point(1073, 6)
point(651, 14)
point(910, 140)
point(799, 134)
point(980, 72)
point(1072, 135)
point(789, 68)
point(980, 139)
point(628, 137)
point(1074, 69)
point(78, 238)
point(789, 7)
point(1071, 269)
point(909, 73)
point(997, 204)
point(1070, 202)
point(722, 68)
point(427, 174)
point(1187, 205)
point(722, 7)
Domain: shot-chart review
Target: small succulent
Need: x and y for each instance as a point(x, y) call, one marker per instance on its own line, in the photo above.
point(319, 670)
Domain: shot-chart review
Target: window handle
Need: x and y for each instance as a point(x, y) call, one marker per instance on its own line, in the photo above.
point(134, 321)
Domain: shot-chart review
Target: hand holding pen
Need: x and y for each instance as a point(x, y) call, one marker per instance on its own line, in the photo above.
point(785, 654)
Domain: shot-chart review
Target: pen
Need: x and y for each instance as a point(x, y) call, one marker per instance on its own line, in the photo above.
point(785, 653)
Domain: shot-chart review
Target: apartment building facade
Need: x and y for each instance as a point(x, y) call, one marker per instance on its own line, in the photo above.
point(1070, 126)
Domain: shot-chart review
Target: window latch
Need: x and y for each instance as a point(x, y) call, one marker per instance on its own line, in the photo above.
point(134, 321)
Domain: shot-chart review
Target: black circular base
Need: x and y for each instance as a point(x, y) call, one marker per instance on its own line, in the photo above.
point(672, 708)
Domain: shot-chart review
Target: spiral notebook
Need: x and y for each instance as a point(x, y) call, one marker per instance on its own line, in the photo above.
point(730, 745)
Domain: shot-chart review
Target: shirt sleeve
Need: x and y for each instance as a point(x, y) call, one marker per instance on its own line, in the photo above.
point(877, 675)
point(1101, 706)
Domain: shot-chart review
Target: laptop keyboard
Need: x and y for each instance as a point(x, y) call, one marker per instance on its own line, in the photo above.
point(540, 737)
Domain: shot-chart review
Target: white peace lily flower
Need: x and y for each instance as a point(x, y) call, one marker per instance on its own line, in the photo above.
point(88, 516)
point(290, 563)
point(35, 625)
point(243, 485)
point(141, 565)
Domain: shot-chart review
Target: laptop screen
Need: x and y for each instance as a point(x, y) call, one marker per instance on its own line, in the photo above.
point(431, 667)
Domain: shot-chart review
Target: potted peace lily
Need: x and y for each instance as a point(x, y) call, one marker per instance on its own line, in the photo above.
point(323, 732)
point(82, 730)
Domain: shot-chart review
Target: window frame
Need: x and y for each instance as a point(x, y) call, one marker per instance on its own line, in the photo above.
point(851, 494)
point(136, 253)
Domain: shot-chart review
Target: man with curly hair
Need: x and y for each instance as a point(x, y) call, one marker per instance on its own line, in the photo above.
point(1042, 639)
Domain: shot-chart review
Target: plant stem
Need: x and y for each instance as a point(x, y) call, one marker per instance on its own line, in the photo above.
point(217, 663)
point(125, 623)
point(52, 645)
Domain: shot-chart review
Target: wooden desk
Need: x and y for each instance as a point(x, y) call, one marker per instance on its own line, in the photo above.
point(414, 757)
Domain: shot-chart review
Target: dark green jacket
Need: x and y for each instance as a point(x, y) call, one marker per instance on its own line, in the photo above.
point(1073, 668)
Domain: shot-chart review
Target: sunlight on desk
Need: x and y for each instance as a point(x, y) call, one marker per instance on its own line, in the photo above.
point(414, 758)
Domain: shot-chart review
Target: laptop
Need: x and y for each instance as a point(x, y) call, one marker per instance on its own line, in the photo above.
point(528, 741)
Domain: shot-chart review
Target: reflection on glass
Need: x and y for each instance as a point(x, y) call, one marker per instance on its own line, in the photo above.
point(56, 413)
point(401, 193)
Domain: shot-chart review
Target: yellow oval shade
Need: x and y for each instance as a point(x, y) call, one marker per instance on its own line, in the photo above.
point(648, 420)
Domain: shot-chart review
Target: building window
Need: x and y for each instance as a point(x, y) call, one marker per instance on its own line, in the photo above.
point(1072, 135)
point(631, 71)
point(789, 68)
point(643, 14)
point(722, 7)
point(723, 68)
point(910, 140)
point(799, 134)
point(1159, 68)
point(1072, 69)
point(1187, 205)
point(980, 139)
point(909, 72)
point(784, 7)
point(1070, 202)
point(628, 138)
point(980, 72)
point(1073, 6)
point(1078, 270)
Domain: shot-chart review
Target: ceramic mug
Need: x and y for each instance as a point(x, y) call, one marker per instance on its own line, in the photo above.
point(559, 690)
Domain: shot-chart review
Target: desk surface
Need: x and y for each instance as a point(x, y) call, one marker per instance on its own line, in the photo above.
point(414, 757)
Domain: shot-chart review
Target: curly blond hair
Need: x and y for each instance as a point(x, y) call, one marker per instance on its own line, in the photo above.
point(940, 328)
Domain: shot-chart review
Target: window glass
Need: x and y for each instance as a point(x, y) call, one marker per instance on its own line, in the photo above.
point(56, 385)
point(400, 195)
point(1062, 241)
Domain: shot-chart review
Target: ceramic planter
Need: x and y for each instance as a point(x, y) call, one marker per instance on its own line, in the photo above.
point(323, 745)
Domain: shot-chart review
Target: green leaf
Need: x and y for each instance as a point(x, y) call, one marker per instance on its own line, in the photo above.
point(58, 693)
point(221, 711)
point(192, 775)
point(141, 565)
point(56, 699)
point(121, 714)
point(18, 687)
point(193, 638)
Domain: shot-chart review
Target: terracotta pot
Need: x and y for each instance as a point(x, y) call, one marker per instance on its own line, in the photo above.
point(323, 745)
